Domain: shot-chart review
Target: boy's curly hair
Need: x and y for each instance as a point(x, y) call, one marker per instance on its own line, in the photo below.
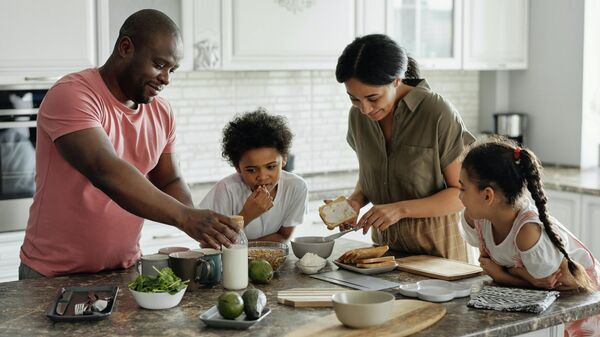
point(253, 130)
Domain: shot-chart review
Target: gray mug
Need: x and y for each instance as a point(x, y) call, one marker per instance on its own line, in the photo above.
point(146, 264)
point(213, 256)
point(191, 266)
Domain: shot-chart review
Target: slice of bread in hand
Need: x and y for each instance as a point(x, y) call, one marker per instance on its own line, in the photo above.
point(376, 265)
point(337, 212)
point(376, 259)
point(354, 255)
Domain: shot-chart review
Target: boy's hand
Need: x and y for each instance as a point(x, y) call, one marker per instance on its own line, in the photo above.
point(257, 203)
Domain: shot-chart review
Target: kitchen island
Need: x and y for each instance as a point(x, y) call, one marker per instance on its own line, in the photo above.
point(24, 305)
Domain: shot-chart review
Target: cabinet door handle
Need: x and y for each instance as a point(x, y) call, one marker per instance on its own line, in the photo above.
point(166, 236)
point(42, 78)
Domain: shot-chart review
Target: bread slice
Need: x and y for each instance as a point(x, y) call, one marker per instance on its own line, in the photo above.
point(337, 212)
point(376, 259)
point(376, 265)
point(354, 255)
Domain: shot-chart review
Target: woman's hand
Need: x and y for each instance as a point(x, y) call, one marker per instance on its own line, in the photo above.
point(349, 224)
point(381, 217)
point(257, 203)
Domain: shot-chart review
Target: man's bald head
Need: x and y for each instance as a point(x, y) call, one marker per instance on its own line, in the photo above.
point(142, 25)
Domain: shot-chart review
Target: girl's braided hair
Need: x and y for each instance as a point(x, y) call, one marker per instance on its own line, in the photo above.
point(501, 164)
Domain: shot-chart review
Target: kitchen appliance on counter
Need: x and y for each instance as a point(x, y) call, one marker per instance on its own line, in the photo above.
point(512, 125)
point(18, 115)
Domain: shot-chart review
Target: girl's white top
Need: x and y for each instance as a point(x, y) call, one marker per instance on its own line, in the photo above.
point(229, 195)
point(542, 259)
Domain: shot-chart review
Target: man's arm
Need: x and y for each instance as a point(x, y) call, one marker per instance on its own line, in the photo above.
point(166, 176)
point(282, 235)
point(91, 153)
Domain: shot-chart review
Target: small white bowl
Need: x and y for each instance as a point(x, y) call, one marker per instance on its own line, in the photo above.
point(361, 309)
point(157, 300)
point(310, 269)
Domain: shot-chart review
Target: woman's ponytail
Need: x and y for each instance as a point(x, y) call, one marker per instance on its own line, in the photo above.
point(412, 69)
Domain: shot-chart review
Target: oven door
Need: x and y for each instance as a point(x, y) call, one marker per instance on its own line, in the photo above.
point(17, 168)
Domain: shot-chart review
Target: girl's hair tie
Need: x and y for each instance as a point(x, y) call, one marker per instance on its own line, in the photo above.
point(517, 155)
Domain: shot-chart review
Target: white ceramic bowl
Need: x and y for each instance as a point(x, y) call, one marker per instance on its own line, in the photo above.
point(157, 300)
point(306, 269)
point(312, 244)
point(361, 309)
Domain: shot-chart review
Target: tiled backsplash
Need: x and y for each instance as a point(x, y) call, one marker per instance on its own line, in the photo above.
point(314, 103)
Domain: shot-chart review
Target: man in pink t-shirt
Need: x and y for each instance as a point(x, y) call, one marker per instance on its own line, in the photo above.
point(105, 160)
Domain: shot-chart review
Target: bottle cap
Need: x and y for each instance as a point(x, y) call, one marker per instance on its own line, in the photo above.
point(237, 219)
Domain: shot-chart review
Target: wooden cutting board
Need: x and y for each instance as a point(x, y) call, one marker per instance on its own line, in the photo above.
point(308, 297)
point(409, 317)
point(437, 267)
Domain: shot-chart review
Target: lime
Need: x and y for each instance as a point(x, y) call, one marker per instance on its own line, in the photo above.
point(260, 271)
point(230, 305)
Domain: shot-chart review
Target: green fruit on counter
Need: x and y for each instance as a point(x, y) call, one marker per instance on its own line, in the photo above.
point(254, 303)
point(260, 271)
point(230, 305)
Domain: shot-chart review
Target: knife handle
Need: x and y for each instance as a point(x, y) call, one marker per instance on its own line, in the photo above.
point(63, 302)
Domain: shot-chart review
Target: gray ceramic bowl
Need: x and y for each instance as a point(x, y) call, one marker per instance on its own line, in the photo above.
point(312, 244)
point(361, 309)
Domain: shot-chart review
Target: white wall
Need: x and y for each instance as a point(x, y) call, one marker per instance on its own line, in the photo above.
point(314, 103)
point(550, 90)
point(590, 133)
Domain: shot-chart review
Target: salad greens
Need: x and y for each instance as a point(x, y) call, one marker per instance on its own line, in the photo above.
point(165, 281)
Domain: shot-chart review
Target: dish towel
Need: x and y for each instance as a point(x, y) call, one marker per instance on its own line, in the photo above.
point(512, 299)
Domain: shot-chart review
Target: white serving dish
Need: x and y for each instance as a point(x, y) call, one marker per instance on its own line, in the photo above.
point(366, 271)
point(310, 269)
point(361, 309)
point(435, 290)
point(212, 318)
point(157, 300)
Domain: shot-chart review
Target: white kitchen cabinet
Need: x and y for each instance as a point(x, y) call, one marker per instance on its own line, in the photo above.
point(566, 207)
point(495, 34)
point(580, 213)
point(430, 30)
point(10, 246)
point(273, 35)
point(156, 235)
point(112, 14)
point(553, 331)
point(43, 40)
point(590, 219)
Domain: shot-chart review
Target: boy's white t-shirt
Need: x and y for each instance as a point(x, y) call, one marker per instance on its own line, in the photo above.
point(229, 195)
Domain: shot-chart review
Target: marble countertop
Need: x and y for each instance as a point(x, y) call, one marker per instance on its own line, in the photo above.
point(24, 304)
point(586, 181)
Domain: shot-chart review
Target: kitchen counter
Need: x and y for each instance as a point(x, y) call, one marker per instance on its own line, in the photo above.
point(585, 181)
point(24, 304)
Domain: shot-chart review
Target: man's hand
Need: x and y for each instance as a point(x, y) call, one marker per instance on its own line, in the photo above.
point(257, 203)
point(209, 228)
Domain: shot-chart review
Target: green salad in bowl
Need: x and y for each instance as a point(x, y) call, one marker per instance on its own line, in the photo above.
point(163, 291)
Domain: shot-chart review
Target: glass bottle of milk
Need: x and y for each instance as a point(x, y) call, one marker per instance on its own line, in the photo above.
point(235, 259)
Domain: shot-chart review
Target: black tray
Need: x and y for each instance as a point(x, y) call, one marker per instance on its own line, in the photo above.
point(80, 294)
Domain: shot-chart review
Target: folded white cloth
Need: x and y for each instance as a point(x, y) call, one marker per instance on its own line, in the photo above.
point(512, 299)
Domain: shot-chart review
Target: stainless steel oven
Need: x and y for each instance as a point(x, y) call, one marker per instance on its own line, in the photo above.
point(18, 115)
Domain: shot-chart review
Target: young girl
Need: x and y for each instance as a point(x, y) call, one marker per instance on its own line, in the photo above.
point(520, 243)
point(271, 201)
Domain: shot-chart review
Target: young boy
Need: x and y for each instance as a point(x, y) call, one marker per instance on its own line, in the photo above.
point(271, 201)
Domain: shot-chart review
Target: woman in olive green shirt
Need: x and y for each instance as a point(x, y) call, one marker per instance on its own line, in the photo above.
point(408, 140)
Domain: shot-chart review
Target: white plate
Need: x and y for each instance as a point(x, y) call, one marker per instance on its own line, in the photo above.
point(435, 290)
point(366, 271)
point(213, 319)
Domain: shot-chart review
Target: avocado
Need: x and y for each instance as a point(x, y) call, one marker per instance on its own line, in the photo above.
point(254, 303)
point(230, 305)
point(260, 271)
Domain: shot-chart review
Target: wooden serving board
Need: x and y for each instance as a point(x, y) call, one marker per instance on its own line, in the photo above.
point(437, 267)
point(409, 317)
point(308, 297)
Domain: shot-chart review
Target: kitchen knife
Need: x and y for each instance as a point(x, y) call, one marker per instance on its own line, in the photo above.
point(63, 302)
